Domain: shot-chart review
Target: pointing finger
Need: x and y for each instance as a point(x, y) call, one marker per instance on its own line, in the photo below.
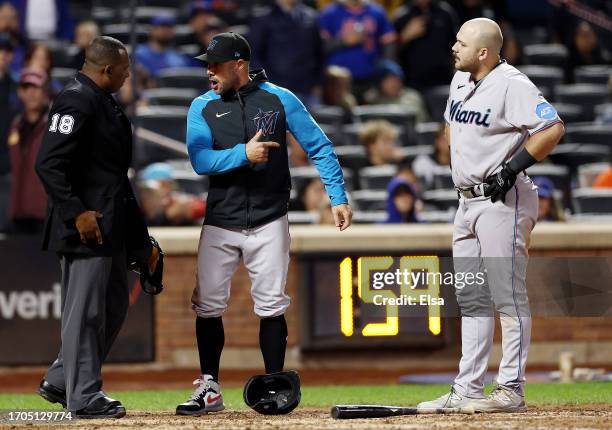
point(271, 144)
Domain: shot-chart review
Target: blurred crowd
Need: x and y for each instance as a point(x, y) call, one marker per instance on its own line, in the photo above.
point(373, 73)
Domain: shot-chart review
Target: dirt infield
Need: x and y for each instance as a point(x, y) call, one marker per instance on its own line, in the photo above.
point(584, 417)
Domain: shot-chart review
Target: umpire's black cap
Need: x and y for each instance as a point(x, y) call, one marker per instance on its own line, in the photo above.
point(226, 47)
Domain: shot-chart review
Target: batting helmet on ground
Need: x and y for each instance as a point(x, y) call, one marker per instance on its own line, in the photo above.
point(273, 394)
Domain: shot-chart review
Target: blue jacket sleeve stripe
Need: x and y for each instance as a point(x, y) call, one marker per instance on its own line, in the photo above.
point(204, 159)
point(314, 141)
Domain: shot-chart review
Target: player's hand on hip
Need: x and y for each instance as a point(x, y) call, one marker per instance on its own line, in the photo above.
point(87, 225)
point(497, 185)
point(343, 215)
point(257, 151)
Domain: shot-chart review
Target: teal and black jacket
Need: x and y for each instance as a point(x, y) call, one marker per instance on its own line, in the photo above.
point(242, 195)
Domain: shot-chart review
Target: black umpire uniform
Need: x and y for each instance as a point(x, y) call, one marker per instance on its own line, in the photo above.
point(83, 163)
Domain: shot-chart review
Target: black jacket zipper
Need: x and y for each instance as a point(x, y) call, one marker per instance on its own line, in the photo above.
point(246, 139)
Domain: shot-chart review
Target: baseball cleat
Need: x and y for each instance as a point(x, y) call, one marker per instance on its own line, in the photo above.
point(206, 398)
point(450, 400)
point(501, 399)
point(51, 393)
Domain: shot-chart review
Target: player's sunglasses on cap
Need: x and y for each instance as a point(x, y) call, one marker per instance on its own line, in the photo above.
point(226, 47)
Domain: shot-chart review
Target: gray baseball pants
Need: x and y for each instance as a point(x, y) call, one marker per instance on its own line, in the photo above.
point(95, 301)
point(494, 238)
point(265, 252)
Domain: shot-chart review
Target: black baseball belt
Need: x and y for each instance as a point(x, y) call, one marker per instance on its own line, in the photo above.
point(471, 192)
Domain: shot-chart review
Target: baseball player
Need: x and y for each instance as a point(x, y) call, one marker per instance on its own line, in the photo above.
point(236, 133)
point(498, 124)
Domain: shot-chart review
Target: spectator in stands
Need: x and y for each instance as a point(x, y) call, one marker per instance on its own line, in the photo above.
point(427, 166)
point(312, 196)
point(161, 201)
point(401, 202)
point(337, 91)
point(202, 38)
point(38, 56)
point(45, 19)
point(405, 171)
point(326, 216)
point(357, 35)
point(200, 16)
point(297, 155)
point(28, 207)
point(290, 28)
point(548, 209)
point(8, 106)
point(9, 23)
point(604, 179)
point(426, 32)
point(584, 50)
point(391, 91)
point(379, 138)
point(230, 11)
point(158, 54)
point(84, 33)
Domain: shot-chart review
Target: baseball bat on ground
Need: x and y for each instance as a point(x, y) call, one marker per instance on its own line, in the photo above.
point(346, 412)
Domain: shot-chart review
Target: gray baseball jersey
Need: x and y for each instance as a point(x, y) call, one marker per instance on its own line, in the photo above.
point(490, 120)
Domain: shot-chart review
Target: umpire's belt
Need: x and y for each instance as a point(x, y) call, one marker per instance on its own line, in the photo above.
point(471, 192)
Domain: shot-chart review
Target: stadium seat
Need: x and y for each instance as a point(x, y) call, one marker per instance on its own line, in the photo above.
point(370, 200)
point(434, 216)
point(595, 74)
point(191, 182)
point(103, 15)
point(123, 32)
point(170, 96)
point(352, 156)
point(333, 133)
point(573, 155)
point(546, 54)
point(435, 99)
point(144, 14)
point(332, 115)
point(168, 121)
point(599, 134)
point(570, 113)
point(62, 54)
point(409, 153)
point(184, 77)
point(351, 133)
point(587, 173)
point(300, 176)
point(376, 177)
point(443, 181)
point(559, 175)
point(440, 199)
point(190, 50)
point(63, 75)
point(349, 179)
point(590, 218)
point(303, 217)
point(426, 133)
point(369, 217)
point(544, 76)
point(603, 109)
point(400, 116)
point(592, 200)
point(586, 95)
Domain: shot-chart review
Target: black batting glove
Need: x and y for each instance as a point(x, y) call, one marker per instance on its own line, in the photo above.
point(499, 184)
